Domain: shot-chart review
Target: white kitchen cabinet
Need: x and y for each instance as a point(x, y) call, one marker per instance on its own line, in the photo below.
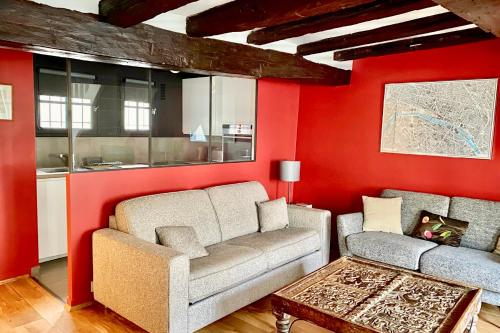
point(233, 102)
point(52, 224)
point(196, 105)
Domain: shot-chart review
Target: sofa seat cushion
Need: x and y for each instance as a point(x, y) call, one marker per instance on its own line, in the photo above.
point(281, 246)
point(225, 267)
point(392, 249)
point(474, 267)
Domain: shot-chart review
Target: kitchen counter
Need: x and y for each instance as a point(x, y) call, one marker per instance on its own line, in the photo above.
point(43, 173)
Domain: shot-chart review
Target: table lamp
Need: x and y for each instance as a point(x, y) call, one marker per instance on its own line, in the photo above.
point(290, 173)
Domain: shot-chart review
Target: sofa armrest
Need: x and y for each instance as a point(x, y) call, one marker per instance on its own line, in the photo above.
point(317, 219)
point(348, 224)
point(144, 282)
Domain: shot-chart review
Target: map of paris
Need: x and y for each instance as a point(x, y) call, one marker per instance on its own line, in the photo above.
point(444, 118)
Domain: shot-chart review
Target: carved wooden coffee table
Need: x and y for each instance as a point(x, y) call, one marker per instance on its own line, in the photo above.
point(353, 295)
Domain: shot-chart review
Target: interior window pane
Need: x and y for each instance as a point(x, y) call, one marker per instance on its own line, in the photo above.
point(130, 118)
point(108, 136)
point(77, 114)
point(50, 87)
point(233, 119)
point(86, 113)
point(52, 112)
point(180, 124)
point(63, 114)
point(44, 112)
point(55, 112)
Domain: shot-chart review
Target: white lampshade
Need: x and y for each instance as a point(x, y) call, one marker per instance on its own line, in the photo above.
point(290, 171)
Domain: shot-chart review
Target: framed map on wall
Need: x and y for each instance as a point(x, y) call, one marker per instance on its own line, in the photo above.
point(5, 102)
point(444, 118)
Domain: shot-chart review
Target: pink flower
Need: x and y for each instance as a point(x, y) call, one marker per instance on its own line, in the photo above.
point(425, 219)
point(427, 234)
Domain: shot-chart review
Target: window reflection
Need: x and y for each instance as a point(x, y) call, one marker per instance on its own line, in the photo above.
point(181, 122)
point(52, 111)
point(118, 99)
point(82, 113)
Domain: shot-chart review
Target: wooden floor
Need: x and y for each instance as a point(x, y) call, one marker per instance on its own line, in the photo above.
point(26, 307)
point(53, 275)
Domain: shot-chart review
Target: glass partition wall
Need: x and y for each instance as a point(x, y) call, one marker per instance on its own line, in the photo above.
point(181, 118)
point(127, 117)
point(111, 116)
point(233, 119)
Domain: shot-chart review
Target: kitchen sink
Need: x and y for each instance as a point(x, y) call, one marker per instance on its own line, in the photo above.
point(54, 170)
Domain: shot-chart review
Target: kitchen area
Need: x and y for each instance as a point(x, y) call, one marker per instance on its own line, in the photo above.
point(126, 117)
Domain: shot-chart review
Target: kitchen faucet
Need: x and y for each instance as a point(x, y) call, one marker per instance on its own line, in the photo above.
point(62, 156)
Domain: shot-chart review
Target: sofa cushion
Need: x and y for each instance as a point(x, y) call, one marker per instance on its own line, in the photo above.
point(281, 246)
point(484, 221)
point(225, 267)
point(475, 267)
point(182, 239)
point(393, 249)
point(273, 215)
point(236, 207)
point(141, 216)
point(382, 214)
point(490, 297)
point(414, 203)
point(439, 229)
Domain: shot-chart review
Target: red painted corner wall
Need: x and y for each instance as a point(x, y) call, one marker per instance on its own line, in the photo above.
point(18, 220)
point(338, 137)
point(93, 196)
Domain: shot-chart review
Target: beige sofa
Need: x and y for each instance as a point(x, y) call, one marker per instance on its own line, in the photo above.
point(161, 290)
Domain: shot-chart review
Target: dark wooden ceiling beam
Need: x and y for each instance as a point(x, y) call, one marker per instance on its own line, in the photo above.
point(43, 29)
point(362, 13)
point(241, 15)
point(484, 13)
point(415, 44)
point(386, 33)
point(126, 13)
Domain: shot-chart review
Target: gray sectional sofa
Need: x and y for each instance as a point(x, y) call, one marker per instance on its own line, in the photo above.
point(472, 263)
point(161, 290)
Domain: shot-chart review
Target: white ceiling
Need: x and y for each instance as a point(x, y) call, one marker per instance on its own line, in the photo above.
point(175, 20)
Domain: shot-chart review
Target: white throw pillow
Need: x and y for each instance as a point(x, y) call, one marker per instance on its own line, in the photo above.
point(182, 239)
point(273, 214)
point(382, 214)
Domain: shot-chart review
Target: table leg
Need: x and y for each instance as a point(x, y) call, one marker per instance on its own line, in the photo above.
point(473, 324)
point(282, 322)
point(475, 318)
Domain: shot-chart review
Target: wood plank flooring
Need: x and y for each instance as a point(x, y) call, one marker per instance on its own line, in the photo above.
point(26, 307)
point(53, 275)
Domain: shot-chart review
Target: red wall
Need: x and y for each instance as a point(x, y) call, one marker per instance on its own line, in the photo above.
point(339, 133)
point(93, 196)
point(18, 225)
